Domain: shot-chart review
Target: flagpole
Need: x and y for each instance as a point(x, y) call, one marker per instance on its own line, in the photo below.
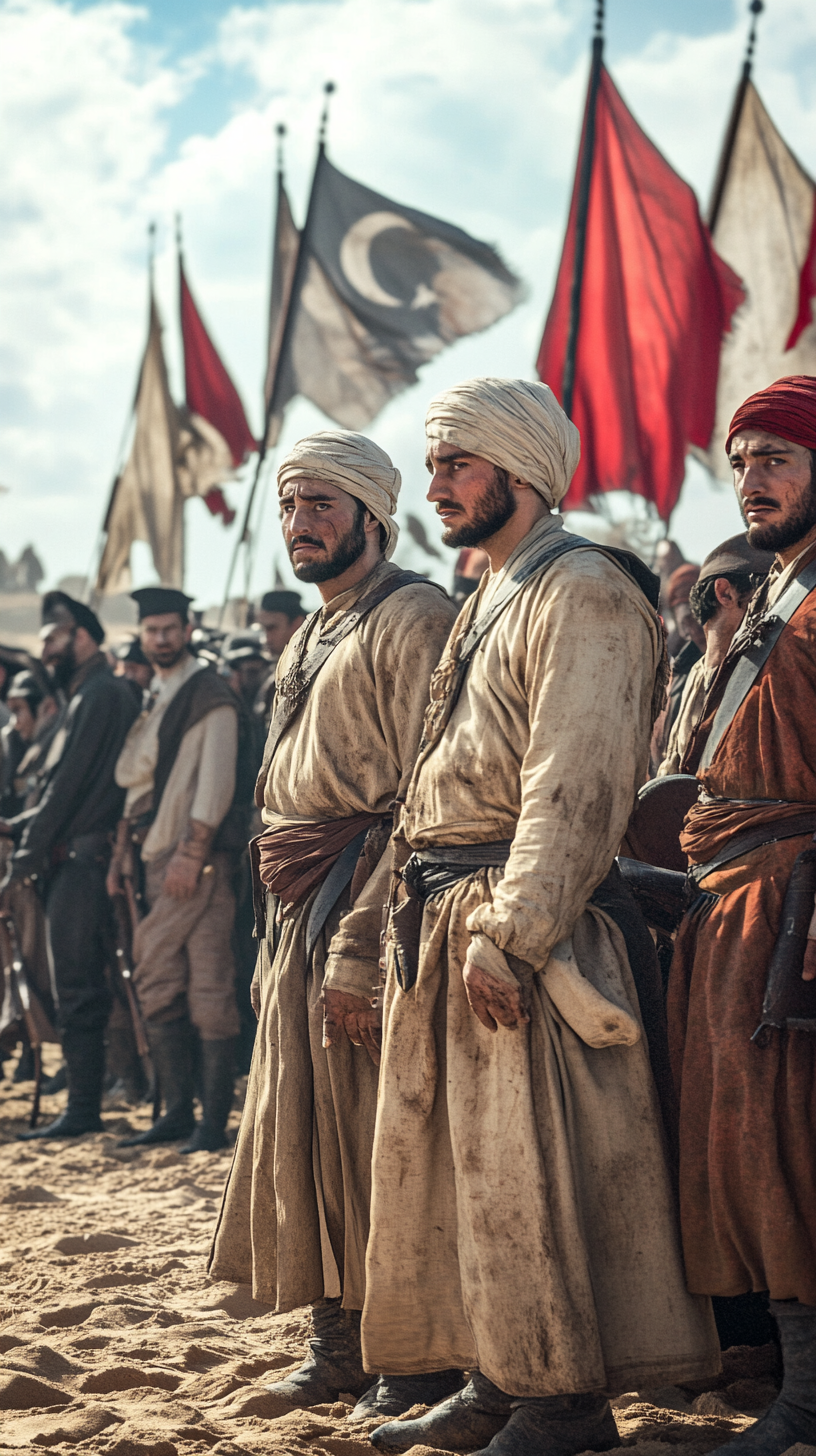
point(756, 8)
point(582, 212)
point(98, 551)
point(286, 339)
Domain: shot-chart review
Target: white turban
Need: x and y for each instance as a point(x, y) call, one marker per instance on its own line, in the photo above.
point(356, 465)
point(514, 424)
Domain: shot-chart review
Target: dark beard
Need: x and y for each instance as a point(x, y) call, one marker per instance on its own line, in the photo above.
point(495, 508)
point(348, 550)
point(165, 660)
point(777, 537)
point(64, 668)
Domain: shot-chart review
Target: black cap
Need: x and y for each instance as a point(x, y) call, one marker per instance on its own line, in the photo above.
point(131, 652)
point(244, 649)
point(736, 554)
point(25, 685)
point(287, 602)
point(155, 601)
point(57, 606)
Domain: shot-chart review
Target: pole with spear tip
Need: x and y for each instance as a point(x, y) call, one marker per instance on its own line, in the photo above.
point(286, 337)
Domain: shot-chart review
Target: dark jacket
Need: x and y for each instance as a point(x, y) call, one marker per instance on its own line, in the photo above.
point(81, 795)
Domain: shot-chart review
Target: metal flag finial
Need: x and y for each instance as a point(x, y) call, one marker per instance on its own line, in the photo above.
point(151, 246)
point(328, 91)
point(756, 8)
point(280, 133)
point(178, 230)
point(599, 19)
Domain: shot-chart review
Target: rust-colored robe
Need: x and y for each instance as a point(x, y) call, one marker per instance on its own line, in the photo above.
point(747, 1115)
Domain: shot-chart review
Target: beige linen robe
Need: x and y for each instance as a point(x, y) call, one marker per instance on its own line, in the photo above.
point(294, 1220)
point(522, 1214)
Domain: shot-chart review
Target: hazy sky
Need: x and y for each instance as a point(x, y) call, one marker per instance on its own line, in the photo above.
point(117, 113)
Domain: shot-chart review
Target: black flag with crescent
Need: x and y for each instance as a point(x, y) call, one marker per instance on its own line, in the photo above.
point(380, 289)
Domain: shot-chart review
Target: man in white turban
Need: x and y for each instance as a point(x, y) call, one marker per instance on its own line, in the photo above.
point(352, 685)
point(522, 1220)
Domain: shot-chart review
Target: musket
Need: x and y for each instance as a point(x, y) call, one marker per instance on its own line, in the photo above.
point(125, 914)
point(789, 1000)
point(24, 1003)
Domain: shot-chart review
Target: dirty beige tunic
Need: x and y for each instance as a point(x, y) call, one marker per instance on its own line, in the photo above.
point(522, 1214)
point(294, 1220)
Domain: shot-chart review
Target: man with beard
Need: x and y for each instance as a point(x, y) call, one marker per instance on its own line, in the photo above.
point(748, 1109)
point(178, 765)
point(351, 690)
point(522, 1218)
point(66, 848)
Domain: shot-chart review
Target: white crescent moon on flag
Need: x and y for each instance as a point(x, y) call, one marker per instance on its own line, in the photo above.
point(355, 255)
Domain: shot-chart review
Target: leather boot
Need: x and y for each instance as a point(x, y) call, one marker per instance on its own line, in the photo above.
point(84, 1052)
point(217, 1082)
point(468, 1420)
point(335, 1362)
point(561, 1425)
point(172, 1054)
point(791, 1419)
point(391, 1395)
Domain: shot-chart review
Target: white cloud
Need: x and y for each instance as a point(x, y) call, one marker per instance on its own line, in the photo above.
point(465, 108)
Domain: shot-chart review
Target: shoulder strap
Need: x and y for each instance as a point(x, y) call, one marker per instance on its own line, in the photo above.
point(754, 656)
point(295, 687)
point(438, 715)
point(549, 554)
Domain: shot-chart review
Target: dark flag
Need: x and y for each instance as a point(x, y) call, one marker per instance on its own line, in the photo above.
point(212, 399)
point(378, 290)
point(640, 307)
point(284, 261)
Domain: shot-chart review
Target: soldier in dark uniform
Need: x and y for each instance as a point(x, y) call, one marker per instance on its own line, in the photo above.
point(65, 848)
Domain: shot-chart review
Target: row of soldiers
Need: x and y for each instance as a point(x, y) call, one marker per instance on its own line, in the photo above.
point(464, 1093)
point(90, 753)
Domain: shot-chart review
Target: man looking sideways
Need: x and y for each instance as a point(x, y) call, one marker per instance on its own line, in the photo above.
point(352, 686)
point(522, 1220)
point(748, 1108)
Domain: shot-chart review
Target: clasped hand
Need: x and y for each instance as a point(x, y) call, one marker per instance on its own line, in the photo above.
point(354, 1017)
point(495, 1002)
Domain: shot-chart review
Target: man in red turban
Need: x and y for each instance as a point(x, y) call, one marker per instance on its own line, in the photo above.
point(748, 1107)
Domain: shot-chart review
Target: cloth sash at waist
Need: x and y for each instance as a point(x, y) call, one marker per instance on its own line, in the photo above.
point(719, 831)
point(293, 858)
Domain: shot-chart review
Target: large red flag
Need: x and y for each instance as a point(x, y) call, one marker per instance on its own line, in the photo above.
point(655, 302)
point(209, 389)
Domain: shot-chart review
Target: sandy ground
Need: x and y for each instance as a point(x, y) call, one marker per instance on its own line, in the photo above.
point(113, 1339)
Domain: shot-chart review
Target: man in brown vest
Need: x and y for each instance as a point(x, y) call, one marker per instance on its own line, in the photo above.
point(351, 691)
point(178, 765)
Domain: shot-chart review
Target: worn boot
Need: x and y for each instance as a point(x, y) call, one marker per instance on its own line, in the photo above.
point(390, 1395)
point(172, 1053)
point(84, 1052)
point(791, 1419)
point(468, 1420)
point(217, 1081)
point(335, 1364)
point(561, 1425)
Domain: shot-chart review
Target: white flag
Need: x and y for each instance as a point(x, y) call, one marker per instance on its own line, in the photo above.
point(763, 228)
point(174, 455)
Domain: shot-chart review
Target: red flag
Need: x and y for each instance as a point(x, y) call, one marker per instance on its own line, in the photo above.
point(807, 289)
point(210, 391)
point(655, 302)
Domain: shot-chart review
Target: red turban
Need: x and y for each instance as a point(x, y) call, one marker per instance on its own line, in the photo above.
point(679, 584)
point(786, 408)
